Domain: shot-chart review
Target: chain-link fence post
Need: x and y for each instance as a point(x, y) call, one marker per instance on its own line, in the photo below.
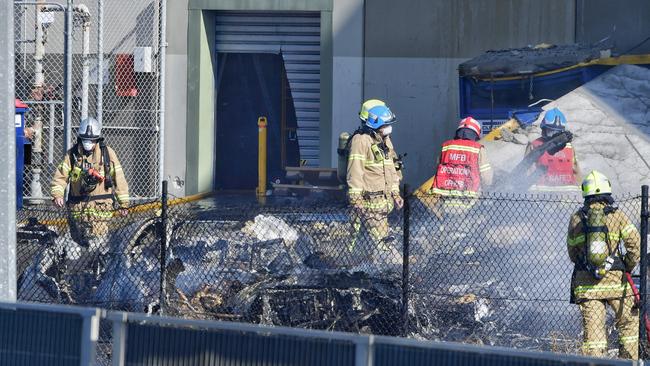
point(643, 271)
point(67, 71)
point(163, 245)
point(405, 258)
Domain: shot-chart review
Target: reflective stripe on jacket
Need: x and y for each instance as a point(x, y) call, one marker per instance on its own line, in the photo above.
point(561, 173)
point(462, 169)
point(370, 169)
point(613, 285)
point(70, 173)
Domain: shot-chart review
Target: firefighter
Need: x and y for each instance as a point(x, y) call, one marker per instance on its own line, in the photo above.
point(559, 171)
point(463, 167)
point(374, 181)
point(97, 186)
point(603, 244)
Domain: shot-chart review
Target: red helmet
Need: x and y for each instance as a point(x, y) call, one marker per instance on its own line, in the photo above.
point(471, 123)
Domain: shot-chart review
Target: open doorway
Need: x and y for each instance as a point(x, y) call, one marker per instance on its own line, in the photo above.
point(250, 85)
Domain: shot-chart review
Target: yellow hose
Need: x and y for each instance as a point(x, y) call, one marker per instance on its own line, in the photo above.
point(135, 209)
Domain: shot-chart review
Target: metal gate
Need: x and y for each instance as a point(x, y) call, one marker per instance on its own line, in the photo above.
point(295, 36)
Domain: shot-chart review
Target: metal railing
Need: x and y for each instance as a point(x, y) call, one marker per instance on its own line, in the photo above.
point(38, 334)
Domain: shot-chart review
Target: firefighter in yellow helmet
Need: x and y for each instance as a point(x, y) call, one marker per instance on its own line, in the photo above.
point(97, 186)
point(604, 244)
point(373, 178)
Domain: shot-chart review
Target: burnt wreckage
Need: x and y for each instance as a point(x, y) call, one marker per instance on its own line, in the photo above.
point(263, 270)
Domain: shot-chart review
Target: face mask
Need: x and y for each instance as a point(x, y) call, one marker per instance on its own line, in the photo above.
point(387, 130)
point(88, 145)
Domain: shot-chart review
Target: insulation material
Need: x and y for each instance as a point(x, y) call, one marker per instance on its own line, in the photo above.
point(610, 120)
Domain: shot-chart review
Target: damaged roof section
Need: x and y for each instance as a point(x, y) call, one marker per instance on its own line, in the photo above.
point(531, 59)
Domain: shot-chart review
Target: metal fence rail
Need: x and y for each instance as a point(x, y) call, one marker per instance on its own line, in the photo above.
point(162, 341)
point(32, 334)
point(494, 272)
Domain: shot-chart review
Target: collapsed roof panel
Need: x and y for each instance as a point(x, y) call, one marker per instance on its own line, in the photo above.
point(530, 60)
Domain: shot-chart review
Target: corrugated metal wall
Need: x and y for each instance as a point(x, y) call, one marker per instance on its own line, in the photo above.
point(162, 346)
point(29, 337)
point(296, 36)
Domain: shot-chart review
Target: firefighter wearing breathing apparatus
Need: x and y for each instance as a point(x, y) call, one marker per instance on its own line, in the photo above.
point(603, 244)
point(96, 184)
point(373, 178)
point(555, 171)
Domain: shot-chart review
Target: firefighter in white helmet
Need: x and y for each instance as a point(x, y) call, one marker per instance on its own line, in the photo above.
point(597, 234)
point(97, 188)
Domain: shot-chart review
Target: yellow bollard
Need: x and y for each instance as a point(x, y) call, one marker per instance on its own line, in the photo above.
point(261, 158)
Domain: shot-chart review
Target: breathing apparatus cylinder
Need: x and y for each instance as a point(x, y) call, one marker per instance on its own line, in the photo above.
point(598, 251)
point(342, 167)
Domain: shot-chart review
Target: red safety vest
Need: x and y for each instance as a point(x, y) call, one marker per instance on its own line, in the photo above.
point(559, 167)
point(458, 172)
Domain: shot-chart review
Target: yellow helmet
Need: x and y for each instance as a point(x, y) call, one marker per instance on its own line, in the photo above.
point(367, 105)
point(595, 183)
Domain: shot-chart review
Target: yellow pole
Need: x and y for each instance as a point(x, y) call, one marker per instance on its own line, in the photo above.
point(261, 158)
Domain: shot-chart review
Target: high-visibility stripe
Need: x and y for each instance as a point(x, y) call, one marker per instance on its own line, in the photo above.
point(461, 148)
point(65, 168)
point(357, 157)
point(598, 288)
point(92, 212)
point(118, 168)
point(594, 345)
point(485, 167)
point(446, 192)
point(578, 240)
point(627, 230)
point(57, 188)
point(385, 204)
point(123, 197)
point(452, 203)
point(581, 239)
point(629, 339)
point(377, 164)
point(355, 190)
point(540, 188)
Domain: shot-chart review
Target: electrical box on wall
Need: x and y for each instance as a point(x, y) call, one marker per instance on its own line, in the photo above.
point(142, 59)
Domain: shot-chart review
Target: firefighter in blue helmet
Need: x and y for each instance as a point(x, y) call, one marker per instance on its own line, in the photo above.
point(374, 180)
point(558, 171)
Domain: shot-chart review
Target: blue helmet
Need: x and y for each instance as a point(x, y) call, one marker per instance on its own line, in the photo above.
point(554, 120)
point(379, 116)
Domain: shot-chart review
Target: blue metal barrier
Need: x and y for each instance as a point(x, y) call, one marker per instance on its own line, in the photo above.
point(162, 341)
point(47, 335)
point(400, 351)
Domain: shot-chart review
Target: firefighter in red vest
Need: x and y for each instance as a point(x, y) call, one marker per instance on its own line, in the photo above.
point(559, 172)
point(463, 167)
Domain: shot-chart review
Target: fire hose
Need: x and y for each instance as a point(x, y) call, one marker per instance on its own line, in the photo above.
point(637, 303)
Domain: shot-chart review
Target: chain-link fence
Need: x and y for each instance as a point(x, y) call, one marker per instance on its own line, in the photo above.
point(128, 105)
point(493, 270)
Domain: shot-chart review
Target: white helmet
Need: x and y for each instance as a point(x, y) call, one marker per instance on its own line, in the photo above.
point(90, 129)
